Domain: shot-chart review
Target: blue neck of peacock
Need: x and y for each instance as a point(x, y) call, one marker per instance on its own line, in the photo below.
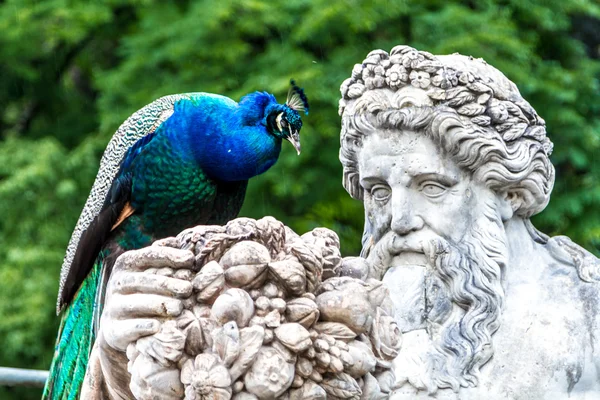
point(233, 147)
point(239, 154)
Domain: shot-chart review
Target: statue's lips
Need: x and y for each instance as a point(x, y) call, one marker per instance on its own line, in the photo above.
point(408, 258)
point(400, 251)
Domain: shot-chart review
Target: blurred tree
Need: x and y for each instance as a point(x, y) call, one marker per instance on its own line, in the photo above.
point(72, 71)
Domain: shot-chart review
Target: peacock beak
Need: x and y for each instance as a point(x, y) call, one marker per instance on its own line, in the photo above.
point(294, 139)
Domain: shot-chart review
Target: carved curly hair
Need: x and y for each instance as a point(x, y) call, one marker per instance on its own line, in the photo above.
point(469, 108)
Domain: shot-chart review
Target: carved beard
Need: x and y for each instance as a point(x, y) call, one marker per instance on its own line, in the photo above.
point(458, 338)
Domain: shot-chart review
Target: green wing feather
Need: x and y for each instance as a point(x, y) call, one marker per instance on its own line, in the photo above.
point(75, 340)
point(138, 125)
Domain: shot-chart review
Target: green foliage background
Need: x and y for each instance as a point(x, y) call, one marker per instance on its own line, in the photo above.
point(72, 71)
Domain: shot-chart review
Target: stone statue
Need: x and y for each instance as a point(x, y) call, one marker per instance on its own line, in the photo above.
point(451, 162)
point(249, 310)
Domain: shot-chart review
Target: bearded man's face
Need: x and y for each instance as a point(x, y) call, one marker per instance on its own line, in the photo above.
point(413, 190)
point(434, 235)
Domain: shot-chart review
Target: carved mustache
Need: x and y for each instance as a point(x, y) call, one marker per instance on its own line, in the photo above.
point(392, 245)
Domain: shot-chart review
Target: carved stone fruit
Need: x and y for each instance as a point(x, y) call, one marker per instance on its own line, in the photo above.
point(385, 336)
point(246, 275)
point(298, 381)
point(270, 375)
point(201, 311)
point(278, 304)
point(238, 387)
point(226, 342)
point(206, 378)
point(288, 355)
point(337, 330)
point(290, 274)
point(328, 243)
point(304, 367)
point(349, 306)
point(165, 346)
point(245, 253)
point(148, 377)
point(293, 336)
point(341, 386)
point(233, 305)
point(363, 359)
point(355, 267)
point(335, 365)
point(251, 340)
point(270, 290)
point(184, 274)
point(190, 326)
point(309, 391)
point(273, 319)
point(303, 311)
point(245, 264)
point(323, 359)
point(210, 281)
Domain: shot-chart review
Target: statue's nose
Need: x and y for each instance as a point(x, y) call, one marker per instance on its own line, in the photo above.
point(405, 216)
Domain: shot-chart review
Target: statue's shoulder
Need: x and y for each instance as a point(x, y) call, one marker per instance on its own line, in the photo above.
point(552, 315)
point(565, 251)
point(581, 291)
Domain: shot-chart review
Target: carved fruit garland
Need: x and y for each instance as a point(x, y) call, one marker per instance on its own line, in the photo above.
point(261, 324)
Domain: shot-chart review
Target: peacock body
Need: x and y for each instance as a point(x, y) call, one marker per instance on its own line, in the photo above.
point(181, 161)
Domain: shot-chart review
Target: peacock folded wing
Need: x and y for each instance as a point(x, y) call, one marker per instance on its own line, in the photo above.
point(138, 125)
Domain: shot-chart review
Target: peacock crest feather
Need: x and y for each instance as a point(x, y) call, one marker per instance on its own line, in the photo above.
point(296, 99)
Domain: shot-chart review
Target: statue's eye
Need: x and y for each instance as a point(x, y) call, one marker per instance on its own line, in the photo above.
point(380, 193)
point(432, 189)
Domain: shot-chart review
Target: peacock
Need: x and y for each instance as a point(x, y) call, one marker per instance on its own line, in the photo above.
point(183, 160)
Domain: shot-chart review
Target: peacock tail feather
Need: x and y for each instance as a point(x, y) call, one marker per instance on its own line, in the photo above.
point(75, 340)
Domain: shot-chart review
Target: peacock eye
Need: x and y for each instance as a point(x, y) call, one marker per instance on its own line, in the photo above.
point(279, 121)
point(284, 123)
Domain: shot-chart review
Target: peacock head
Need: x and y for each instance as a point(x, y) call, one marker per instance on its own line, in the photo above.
point(284, 120)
